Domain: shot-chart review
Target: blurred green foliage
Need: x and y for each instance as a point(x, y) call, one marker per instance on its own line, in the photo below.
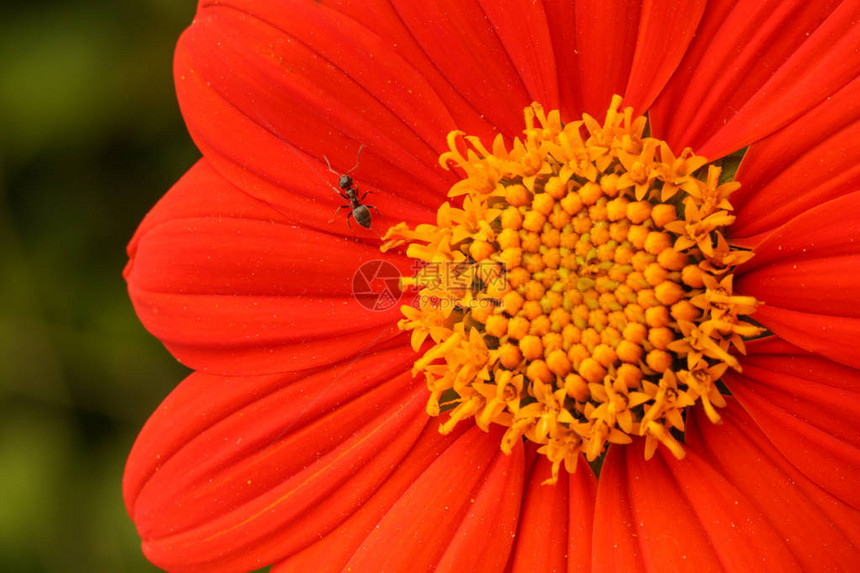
point(90, 138)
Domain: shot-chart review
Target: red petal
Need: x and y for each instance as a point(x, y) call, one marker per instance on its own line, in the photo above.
point(556, 521)
point(463, 44)
point(531, 53)
point(561, 21)
point(246, 71)
point(666, 28)
point(654, 530)
point(382, 19)
point(201, 192)
point(822, 65)
point(754, 67)
point(670, 515)
point(615, 545)
point(229, 465)
point(229, 287)
point(820, 149)
point(460, 514)
point(483, 541)
point(820, 532)
point(808, 407)
point(337, 546)
point(661, 115)
point(830, 336)
point(602, 47)
point(606, 32)
point(808, 273)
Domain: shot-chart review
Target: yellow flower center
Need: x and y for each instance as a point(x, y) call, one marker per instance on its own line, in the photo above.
point(582, 293)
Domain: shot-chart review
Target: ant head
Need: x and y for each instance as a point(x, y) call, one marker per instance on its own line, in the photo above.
point(345, 182)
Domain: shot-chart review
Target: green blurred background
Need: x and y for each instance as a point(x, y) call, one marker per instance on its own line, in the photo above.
point(90, 138)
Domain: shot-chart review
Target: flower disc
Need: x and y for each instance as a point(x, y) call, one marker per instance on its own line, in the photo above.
point(582, 294)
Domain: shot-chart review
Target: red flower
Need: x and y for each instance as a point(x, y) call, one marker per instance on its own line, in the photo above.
point(302, 439)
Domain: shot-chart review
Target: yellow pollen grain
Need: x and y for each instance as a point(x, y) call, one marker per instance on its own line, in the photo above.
point(656, 242)
point(558, 362)
point(551, 341)
point(481, 314)
point(496, 325)
point(609, 281)
point(481, 250)
point(508, 238)
point(518, 327)
point(543, 203)
point(517, 195)
point(510, 356)
point(629, 351)
point(629, 375)
point(661, 337)
point(663, 214)
point(540, 325)
point(672, 260)
point(604, 355)
point(591, 370)
point(668, 293)
point(511, 219)
point(556, 187)
point(693, 276)
point(590, 193)
point(659, 360)
point(533, 221)
point(512, 302)
point(532, 310)
point(638, 212)
point(576, 387)
point(539, 371)
point(577, 353)
point(656, 316)
point(654, 274)
point(572, 204)
point(637, 235)
point(531, 347)
point(684, 310)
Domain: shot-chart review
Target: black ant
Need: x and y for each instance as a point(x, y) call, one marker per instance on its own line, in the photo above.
point(349, 191)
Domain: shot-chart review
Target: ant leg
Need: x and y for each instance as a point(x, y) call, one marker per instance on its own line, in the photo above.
point(347, 220)
point(374, 208)
point(365, 195)
point(338, 211)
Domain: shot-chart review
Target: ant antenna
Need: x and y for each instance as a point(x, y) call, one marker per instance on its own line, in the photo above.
point(357, 156)
point(329, 166)
point(347, 189)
